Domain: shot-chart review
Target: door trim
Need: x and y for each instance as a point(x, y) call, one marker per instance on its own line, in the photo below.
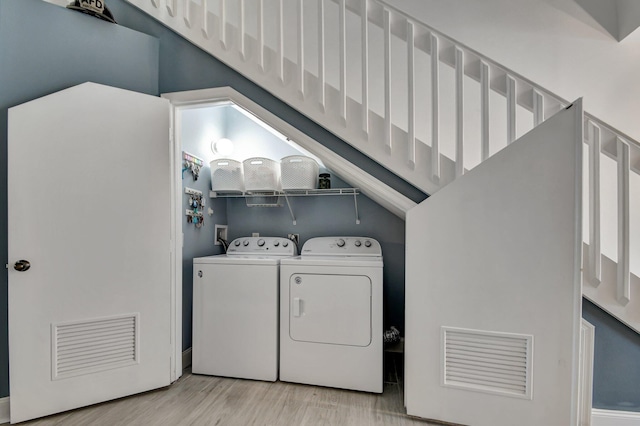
point(585, 390)
point(176, 241)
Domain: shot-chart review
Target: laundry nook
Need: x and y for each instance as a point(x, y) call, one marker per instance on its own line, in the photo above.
point(337, 212)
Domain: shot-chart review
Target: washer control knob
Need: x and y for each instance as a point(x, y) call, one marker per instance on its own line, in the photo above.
point(285, 244)
point(260, 242)
point(340, 242)
point(245, 243)
point(367, 243)
point(237, 243)
point(276, 243)
point(358, 243)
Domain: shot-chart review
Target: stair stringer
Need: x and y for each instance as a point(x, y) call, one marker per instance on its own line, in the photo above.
point(350, 131)
point(605, 294)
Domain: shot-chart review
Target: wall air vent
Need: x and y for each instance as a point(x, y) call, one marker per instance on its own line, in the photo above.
point(90, 346)
point(487, 361)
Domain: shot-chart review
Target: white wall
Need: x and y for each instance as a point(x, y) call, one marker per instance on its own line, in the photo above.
point(553, 43)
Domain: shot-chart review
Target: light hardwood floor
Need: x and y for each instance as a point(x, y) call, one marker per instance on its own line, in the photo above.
point(205, 400)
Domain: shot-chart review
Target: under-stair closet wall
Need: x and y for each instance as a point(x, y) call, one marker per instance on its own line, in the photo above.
point(314, 215)
point(184, 67)
point(198, 241)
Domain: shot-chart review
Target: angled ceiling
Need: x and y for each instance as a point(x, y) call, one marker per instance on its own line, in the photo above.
point(619, 17)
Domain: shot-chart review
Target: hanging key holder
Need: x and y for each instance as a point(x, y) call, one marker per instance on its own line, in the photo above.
point(193, 164)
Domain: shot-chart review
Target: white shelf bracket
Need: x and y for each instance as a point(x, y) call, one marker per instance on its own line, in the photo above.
point(293, 217)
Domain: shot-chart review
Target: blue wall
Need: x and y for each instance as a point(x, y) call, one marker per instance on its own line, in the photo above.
point(616, 375)
point(199, 242)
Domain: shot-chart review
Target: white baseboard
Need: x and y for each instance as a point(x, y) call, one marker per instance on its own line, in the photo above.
point(5, 416)
point(614, 418)
point(186, 358)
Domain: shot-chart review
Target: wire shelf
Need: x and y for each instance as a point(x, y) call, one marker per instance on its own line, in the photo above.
point(273, 198)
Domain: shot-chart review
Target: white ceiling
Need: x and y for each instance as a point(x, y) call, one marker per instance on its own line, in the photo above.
point(619, 18)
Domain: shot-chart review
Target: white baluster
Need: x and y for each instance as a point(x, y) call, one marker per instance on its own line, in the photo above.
point(223, 24)
point(485, 79)
point(365, 65)
point(594, 257)
point(411, 108)
point(241, 46)
point(511, 109)
point(343, 61)
point(187, 13)
point(435, 110)
point(171, 7)
point(321, 76)
point(280, 48)
point(205, 19)
point(459, 63)
point(538, 107)
point(301, 69)
point(386, 24)
point(261, 35)
point(155, 3)
point(624, 193)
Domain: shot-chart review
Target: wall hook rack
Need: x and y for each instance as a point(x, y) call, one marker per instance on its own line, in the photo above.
point(191, 163)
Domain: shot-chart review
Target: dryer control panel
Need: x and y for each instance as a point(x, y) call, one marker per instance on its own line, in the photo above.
point(341, 246)
point(266, 246)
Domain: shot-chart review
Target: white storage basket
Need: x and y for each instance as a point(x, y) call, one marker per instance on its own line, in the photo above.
point(298, 172)
point(226, 175)
point(261, 174)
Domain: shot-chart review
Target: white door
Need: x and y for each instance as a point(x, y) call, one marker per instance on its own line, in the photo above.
point(89, 200)
point(330, 309)
point(493, 296)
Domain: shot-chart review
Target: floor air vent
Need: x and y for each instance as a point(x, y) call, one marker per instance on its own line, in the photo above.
point(485, 361)
point(90, 346)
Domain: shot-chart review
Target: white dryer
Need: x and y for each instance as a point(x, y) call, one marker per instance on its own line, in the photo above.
point(235, 309)
point(331, 314)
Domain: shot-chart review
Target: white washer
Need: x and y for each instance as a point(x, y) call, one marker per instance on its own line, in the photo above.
point(235, 309)
point(331, 314)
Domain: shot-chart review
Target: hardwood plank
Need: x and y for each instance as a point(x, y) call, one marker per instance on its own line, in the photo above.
point(208, 400)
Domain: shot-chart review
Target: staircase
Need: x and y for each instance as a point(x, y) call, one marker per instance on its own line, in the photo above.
point(421, 104)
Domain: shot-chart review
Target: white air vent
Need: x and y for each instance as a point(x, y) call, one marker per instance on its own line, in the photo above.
point(89, 346)
point(486, 361)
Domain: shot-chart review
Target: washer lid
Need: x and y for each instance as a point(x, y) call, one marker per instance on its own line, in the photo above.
point(341, 246)
point(225, 259)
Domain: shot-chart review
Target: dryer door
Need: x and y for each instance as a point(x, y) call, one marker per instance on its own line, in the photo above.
point(333, 309)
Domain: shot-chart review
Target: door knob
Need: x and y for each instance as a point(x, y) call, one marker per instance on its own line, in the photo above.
point(22, 265)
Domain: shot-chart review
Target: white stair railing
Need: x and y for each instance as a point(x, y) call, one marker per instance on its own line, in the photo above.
point(421, 104)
